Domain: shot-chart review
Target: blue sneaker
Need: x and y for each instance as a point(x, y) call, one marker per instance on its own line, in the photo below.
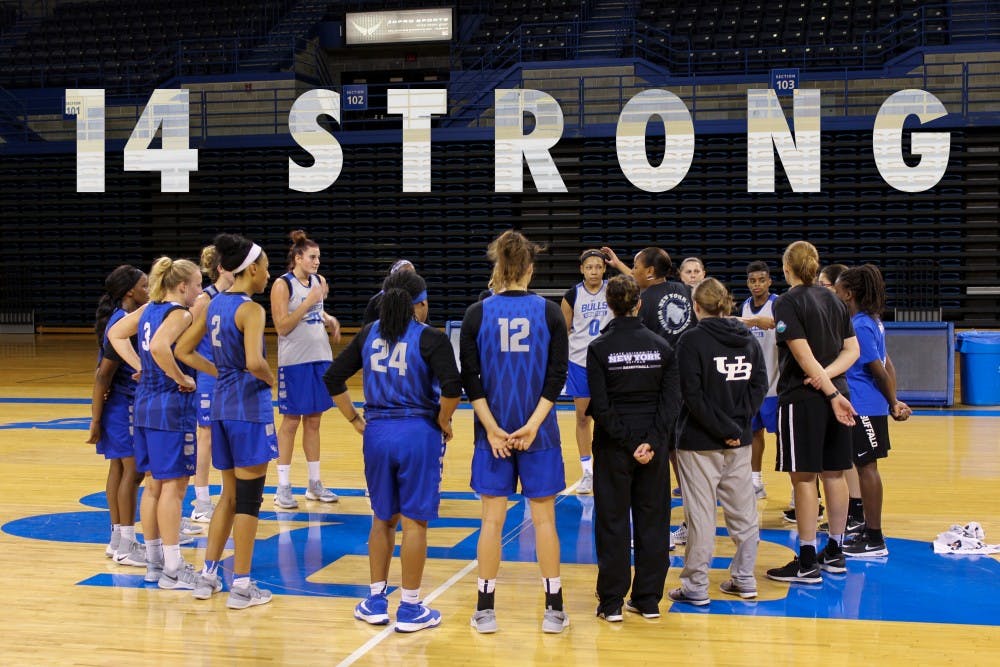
point(374, 610)
point(413, 617)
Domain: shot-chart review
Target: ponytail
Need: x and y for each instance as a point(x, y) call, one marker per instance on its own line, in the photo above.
point(399, 292)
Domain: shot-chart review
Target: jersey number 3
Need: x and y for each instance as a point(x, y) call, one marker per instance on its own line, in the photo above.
point(512, 334)
point(396, 357)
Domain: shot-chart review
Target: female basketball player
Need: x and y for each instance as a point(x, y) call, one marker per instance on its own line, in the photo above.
point(816, 342)
point(304, 354)
point(872, 381)
point(221, 281)
point(514, 349)
point(632, 375)
point(243, 436)
point(164, 412)
point(723, 382)
point(407, 421)
point(125, 289)
point(585, 307)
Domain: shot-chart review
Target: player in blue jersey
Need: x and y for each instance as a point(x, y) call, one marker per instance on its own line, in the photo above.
point(514, 351)
point(221, 281)
point(872, 381)
point(164, 413)
point(585, 307)
point(412, 387)
point(125, 289)
point(304, 354)
point(243, 436)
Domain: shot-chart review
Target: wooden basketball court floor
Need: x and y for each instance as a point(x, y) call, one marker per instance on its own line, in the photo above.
point(68, 604)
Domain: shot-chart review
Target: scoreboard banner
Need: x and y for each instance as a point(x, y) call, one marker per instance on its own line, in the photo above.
point(394, 27)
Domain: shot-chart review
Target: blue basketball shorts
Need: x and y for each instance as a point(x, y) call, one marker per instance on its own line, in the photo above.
point(165, 454)
point(301, 390)
point(541, 473)
point(576, 381)
point(204, 391)
point(240, 444)
point(403, 459)
point(116, 441)
point(767, 416)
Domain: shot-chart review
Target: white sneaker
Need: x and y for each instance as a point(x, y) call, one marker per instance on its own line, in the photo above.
point(680, 536)
point(759, 492)
point(131, 553)
point(586, 485)
point(284, 499)
point(202, 512)
point(316, 491)
point(189, 528)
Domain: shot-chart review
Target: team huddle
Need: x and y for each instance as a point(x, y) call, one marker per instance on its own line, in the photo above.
point(660, 372)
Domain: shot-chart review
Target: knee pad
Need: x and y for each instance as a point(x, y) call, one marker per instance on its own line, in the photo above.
point(249, 496)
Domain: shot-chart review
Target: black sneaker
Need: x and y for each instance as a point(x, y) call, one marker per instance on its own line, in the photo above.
point(788, 516)
point(678, 595)
point(854, 526)
point(796, 574)
point(610, 615)
point(650, 612)
point(866, 546)
point(832, 561)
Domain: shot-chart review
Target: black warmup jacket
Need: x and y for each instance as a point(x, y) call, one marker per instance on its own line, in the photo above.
point(723, 383)
point(632, 375)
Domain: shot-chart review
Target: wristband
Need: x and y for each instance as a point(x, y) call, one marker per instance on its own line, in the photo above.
point(356, 417)
point(835, 394)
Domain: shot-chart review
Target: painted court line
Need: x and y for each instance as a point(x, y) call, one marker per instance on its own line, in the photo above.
point(440, 590)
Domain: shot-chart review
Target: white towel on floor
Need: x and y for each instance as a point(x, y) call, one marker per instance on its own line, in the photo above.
point(967, 539)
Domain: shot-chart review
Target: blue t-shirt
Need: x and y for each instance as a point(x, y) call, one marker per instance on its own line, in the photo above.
point(158, 402)
point(238, 396)
point(865, 395)
point(397, 380)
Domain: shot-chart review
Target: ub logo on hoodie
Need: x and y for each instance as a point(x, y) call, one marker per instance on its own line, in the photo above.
point(734, 372)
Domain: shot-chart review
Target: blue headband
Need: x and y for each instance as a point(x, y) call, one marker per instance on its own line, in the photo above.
point(420, 298)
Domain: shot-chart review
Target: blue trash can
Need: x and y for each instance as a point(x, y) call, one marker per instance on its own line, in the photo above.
point(980, 367)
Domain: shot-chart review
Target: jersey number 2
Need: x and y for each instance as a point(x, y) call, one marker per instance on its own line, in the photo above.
point(216, 328)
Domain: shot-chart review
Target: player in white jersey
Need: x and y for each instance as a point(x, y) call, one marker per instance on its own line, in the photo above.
point(758, 314)
point(304, 354)
point(585, 307)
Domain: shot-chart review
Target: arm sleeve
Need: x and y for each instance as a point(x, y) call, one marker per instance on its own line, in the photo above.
point(570, 296)
point(668, 407)
point(555, 372)
point(346, 364)
point(604, 413)
point(110, 353)
point(786, 314)
point(468, 350)
point(436, 350)
point(758, 380)
point(710, 418)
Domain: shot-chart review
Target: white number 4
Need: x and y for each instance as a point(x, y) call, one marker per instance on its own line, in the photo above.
point(396, 357)
point(512, 334)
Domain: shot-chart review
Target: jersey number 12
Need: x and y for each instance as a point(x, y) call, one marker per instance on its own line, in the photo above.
point(512, 334)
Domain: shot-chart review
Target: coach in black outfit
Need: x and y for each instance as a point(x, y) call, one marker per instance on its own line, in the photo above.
point(633, 382)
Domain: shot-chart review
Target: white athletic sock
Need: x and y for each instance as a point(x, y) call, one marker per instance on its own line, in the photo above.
point(808, 543)
point(587, 463)
point(154, 550)
point(313, 470)
point(411, 596)
point(377, 587)
point(241, 582)
point(172, 560)
point(128, 533)
point(839, 539)
point(284, 473)
point(116, 528)
point(201, 494)
point(758, 480)
point(486, 585)
point(552, 585)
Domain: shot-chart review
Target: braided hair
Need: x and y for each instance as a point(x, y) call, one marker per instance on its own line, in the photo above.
point(867, 288)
